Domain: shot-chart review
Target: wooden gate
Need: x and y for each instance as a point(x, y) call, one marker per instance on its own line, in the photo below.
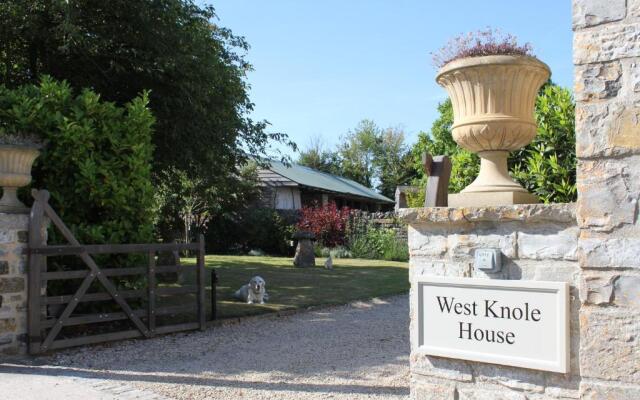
point(44, 328)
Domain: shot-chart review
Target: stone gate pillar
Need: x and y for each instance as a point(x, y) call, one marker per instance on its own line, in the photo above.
point(13, 283)
point(593, 246)
point(536, 242)
point(607, 91)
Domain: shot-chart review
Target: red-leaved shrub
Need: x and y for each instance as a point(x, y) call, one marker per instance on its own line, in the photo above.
point(328, 223)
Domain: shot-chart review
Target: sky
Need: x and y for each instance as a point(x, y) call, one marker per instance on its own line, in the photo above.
point(321, 66)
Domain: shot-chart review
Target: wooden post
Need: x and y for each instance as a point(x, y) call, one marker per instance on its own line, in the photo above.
point(151, 292)
point(427, 160)
point(438, 169)
point(36, 263)
point(201, 283)
point(214, 303)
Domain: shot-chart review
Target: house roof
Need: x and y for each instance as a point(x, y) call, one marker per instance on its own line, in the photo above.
point(310, 177)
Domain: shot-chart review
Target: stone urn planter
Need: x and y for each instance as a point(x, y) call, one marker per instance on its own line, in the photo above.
point(15, 172)
point(493, 100)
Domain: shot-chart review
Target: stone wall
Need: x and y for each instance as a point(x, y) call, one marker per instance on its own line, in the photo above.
point(386, 220)
point(537, 242)
point(607, 90)
point(13, 283)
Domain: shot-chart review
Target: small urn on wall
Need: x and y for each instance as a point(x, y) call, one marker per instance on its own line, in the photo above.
point(493, 85)
point(16, 159)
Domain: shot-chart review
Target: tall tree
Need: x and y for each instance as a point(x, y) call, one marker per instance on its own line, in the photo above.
point(189, 205)
point(393, 161)
point(194, 69)
point(318, 157)
point(358, 151)
point(369, 155)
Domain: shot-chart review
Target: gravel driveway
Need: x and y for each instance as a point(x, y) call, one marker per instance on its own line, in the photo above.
point(358, 351)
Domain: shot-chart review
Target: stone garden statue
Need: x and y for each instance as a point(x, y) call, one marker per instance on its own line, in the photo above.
point(305, 256)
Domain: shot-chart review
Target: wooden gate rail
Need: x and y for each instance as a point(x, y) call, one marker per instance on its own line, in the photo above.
point(40, 340)
point(57, 250)
point(126, 294)
point(56, 275)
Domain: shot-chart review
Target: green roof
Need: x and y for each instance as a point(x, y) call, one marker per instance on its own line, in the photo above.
point(321, 180)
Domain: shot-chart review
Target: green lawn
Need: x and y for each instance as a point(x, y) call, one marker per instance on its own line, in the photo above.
point(292, 288)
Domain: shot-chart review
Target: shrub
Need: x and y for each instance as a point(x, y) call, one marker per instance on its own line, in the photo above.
point(380, 243)
point(340, 252)
point(416, 198)
point(327, 222)
point(189, 205)
point(266, 230)
point(363, 238)
point(547, 166)
point(481, 43)
point(250, 229)
point(369, 240)
point(396, 250)
point(362, 247)
point(320, 251)
point(96, 161)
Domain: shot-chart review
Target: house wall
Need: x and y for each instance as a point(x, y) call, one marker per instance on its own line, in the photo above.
point(310, 198)
point(288, 198)
point(294, 198)
point(267, 198)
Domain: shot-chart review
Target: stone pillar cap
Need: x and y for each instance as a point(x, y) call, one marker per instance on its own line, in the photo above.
point(304, 235)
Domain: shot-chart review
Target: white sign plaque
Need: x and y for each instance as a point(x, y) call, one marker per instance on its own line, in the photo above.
point(518, 323)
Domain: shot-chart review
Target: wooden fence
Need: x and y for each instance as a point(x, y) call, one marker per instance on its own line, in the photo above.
point(44, 328)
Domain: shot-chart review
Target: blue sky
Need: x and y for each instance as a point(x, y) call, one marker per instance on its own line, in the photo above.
point(321, 66)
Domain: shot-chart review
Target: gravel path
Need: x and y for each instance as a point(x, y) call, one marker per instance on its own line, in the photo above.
point(358, 351)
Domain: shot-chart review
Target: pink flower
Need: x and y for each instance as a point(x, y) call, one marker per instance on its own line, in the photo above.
point(481, 43)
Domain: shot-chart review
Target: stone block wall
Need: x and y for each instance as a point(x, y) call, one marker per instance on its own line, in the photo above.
point(537, 242)
point(607, 90)
point(13, 283)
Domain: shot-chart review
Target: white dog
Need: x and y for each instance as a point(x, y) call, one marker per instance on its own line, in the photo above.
point(254, 291)
point(329, 263)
